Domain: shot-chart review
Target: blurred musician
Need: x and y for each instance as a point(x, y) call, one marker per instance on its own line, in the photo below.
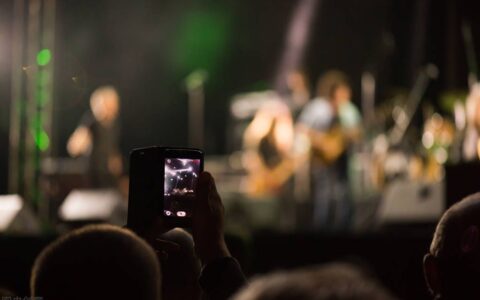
point(268, 142)
point(330, 123)
point(438, 136)
point(97, 138)
point(471, 143)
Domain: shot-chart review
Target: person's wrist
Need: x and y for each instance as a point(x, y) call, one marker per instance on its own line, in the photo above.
point(214, 252)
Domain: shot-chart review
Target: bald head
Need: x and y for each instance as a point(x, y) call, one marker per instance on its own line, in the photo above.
point(452, 268)
point(457, 231)
point(97, 262)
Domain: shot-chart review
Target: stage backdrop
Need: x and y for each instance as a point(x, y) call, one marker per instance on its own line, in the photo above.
point(146, 48)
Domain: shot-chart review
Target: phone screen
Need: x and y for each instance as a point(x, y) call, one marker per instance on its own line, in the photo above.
point(181, 176)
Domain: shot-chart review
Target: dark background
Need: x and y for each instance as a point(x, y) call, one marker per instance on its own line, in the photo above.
point(146, 49)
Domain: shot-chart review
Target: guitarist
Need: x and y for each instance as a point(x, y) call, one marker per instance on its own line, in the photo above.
point(329, 123)
point(267, 143)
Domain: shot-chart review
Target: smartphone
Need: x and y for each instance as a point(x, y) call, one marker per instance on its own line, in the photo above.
point(163, 183)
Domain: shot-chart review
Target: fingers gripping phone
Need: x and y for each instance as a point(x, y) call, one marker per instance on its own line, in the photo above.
point(163, 183)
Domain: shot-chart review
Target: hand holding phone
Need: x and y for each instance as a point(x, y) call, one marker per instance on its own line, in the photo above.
point(168, 189)
point(208, 221)
point(163, 184)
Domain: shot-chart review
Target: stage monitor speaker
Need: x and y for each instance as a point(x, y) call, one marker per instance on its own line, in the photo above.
point(16, 217)
point(95, 205)
point(409, 202)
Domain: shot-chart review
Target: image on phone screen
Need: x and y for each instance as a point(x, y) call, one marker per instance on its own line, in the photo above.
point(181, 176)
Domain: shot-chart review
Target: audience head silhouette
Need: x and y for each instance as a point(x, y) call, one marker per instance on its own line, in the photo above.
point(330, 282)
point(97, 262)
point(452, 267)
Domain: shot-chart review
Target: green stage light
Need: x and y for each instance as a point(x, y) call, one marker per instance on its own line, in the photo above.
point(43, 57)
point(43, 141)
point(201, 40)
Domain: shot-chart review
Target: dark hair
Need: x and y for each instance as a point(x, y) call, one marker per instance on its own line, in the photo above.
point(5, 293)
point(97, 262)
point(329, 282)
point(329, 82)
